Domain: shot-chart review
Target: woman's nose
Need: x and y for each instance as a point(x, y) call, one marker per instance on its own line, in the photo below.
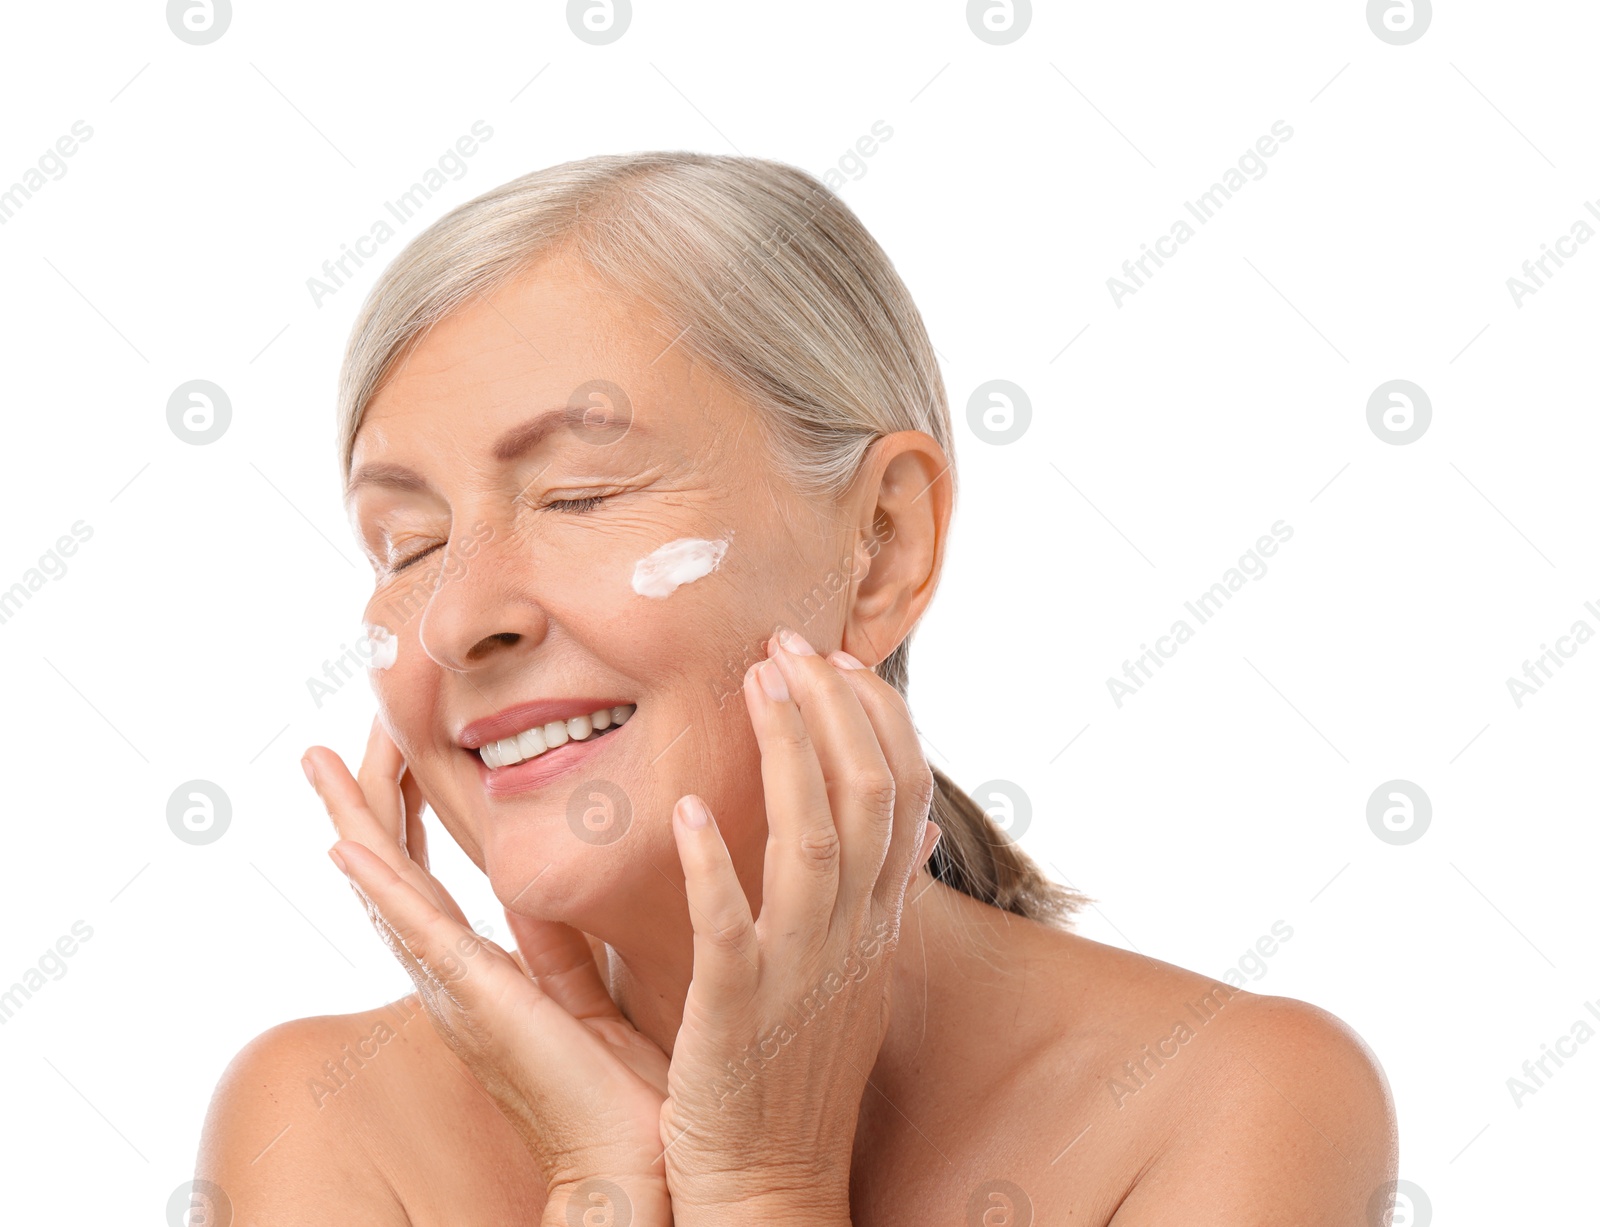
point(482, 607)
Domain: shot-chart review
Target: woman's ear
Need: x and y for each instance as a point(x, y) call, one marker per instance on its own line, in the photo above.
point(904, 496)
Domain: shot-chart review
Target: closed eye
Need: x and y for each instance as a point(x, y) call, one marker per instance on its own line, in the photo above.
point(576, 506)
point(417, 557)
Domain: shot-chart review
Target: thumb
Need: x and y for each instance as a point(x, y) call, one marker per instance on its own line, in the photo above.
point(561, 962)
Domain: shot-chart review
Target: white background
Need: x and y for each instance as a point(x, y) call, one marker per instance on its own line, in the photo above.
point(1228, 393)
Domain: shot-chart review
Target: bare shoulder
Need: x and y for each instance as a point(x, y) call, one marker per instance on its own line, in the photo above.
point(1289, 1118)
point(1217, 1104)
point(363, 1118)
point(280, 1150)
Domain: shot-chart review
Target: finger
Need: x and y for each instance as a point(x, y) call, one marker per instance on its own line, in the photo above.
point(353, 819)
point(348, 805)
point(726, 945)
point(379, 777)
point(800, 874)
point(354, 860)
point(932, 833)
point(861, 784)
point(416, 840)
point(446, 960)
point(897, 736)
point(562, 964)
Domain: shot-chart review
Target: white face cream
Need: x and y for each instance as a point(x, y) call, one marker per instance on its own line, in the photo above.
point(676, 563)
point(382, 646)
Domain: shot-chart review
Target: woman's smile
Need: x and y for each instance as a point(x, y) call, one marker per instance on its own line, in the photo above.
point(527, 746)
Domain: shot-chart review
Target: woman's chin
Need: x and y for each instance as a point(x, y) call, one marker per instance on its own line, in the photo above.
point(550, 875)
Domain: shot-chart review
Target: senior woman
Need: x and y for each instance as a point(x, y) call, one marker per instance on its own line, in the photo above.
point(652, 460)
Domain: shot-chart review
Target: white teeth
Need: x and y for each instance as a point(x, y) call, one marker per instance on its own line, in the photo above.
point(535, 741)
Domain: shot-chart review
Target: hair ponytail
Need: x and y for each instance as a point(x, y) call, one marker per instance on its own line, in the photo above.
point(974, 855)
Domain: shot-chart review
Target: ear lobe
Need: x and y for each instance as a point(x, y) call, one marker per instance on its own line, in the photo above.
point(906, 507)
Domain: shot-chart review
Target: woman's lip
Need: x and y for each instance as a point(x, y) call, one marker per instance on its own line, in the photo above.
point(536, 772)
point(524, 716)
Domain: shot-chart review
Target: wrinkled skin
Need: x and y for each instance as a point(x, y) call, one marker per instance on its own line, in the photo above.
point(498, 592)
point(506, 570)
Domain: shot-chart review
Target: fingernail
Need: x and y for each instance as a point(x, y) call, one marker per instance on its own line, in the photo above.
point(338, 860)
point(844, 660)
point(772, 682)
point(693, 812)
point(795, 643)
point(311, 772)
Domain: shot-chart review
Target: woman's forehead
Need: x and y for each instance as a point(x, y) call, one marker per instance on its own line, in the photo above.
point(493, 373)
point(549, 325)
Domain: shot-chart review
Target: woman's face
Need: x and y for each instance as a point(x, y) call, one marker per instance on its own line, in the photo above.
point(506, 530)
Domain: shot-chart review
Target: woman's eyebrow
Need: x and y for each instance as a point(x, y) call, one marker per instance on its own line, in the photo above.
point(390, 476)
point(524, 438)
point(520, 440)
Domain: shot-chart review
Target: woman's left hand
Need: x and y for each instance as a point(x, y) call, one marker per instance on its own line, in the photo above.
point(786, 1012)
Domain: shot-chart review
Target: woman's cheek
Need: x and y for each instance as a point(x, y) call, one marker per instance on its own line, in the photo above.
point(690, 596)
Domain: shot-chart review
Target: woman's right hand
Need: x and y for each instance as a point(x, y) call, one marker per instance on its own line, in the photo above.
point(537, 1028)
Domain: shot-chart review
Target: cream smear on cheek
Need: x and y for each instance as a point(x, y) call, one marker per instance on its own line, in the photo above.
point(661, 573)
point(383, 647)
